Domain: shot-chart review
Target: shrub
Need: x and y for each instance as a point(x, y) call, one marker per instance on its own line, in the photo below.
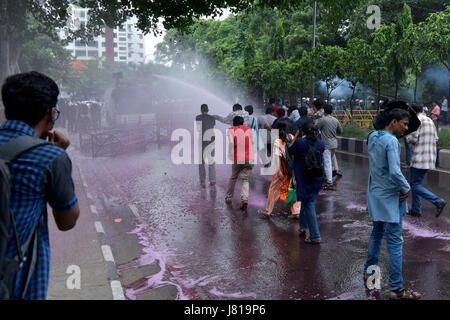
point(444, 139)
point(355, 132)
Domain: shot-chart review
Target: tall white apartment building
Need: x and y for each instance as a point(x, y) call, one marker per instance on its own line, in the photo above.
point(128, 41)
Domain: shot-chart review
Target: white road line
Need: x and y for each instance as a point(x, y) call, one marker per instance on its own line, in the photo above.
point(135, 211)
point(107, 253)
point(99, 227)
point(93, 209)
point(89, 196)
point(117, 290)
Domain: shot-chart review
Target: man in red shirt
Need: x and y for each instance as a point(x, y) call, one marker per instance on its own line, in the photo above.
point(274, 106)
point(240, 151)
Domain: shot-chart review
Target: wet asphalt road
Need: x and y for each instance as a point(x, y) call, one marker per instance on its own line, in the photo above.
point(210, 251)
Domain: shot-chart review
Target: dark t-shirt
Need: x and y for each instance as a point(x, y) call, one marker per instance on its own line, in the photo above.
point(300, 122)
point(208, 122)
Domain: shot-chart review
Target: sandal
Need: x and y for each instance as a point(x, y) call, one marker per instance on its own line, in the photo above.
point(309, 241)
point(263, 212)
point(404, 294)
point(294, 216)
point(301, 232)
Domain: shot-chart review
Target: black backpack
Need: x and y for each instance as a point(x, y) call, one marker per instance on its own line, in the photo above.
point(9, 267)
point(313, 162)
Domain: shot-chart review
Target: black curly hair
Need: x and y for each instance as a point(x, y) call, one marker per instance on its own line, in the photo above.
point(29, 96)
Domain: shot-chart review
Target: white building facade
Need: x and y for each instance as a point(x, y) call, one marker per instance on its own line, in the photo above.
point(128, 41)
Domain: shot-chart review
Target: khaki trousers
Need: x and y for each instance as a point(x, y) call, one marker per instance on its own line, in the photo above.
point(243, 169)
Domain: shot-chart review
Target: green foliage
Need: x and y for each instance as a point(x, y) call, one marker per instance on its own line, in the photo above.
point(351, 131)
point(444, 139)
point(47, 56)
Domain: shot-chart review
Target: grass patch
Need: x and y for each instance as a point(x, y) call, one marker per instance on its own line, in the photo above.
point(444, 139)
point(355, 132)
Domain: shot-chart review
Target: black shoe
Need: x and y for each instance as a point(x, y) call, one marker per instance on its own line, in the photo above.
point(440, 208)
point(338, 173)
point(328, 186)
point(414, 213)
point(244, 206)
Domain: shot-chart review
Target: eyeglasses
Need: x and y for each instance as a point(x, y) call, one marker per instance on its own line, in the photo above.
point(57, 114)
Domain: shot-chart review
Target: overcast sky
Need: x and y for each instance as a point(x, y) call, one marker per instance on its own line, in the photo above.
point(151, 41)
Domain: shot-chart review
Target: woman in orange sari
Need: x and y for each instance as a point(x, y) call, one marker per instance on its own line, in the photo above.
point(281, 179)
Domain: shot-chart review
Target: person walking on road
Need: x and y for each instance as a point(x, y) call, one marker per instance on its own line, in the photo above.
point(237, 111)
point(435, 113)
point(329, 127)
point(386, 194)
point(444, 110)
point(205, 124)
point(281, 179)
point(307, 187)
point(240, 141)
point(423, 159)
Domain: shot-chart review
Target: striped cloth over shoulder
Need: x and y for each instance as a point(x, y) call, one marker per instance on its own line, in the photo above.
point(424, 141)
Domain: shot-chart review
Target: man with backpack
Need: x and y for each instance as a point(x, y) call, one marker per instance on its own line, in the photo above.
point(308, 170)
point(34, 172)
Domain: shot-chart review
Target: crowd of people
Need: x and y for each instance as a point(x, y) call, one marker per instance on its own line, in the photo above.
point(302, 154)
point(35, 170)
point(79, 116)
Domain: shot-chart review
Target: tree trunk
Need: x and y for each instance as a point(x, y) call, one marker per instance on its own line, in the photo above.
point(415, 87)
point(396, 90)
point(378, 89)
point(351, 102)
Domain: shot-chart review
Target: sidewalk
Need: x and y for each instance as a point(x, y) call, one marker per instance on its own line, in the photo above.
point(78, 247)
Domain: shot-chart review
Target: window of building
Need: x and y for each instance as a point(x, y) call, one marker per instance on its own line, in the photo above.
point(80, 53)
point(122, 48)
point(140, 36)
point(123, 58)
point(141, 45)
point(122, 39)
point(79, 43)
point(122, 28)
point(92, 44)
point(82, 14)
point(103, 44)
point(115, 45)
point(115, 35)
point(141, 55)
point(115, 54)
point(92, 53)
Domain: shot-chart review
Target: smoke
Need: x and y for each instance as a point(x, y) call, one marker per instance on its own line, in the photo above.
point(438, 75)
point(344, 91)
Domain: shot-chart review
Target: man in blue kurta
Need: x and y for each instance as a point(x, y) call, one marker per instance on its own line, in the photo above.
point(386, 194)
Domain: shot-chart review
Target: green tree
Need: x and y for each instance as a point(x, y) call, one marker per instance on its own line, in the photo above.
point(326, 64)
point(436, 35)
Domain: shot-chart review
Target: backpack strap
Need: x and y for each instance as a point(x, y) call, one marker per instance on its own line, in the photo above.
point(10, 151)
point(13, 148)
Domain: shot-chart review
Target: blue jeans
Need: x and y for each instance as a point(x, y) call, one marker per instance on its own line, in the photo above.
point(308, 220)
point(419, 191)
point(394, 241)
point(409, 152)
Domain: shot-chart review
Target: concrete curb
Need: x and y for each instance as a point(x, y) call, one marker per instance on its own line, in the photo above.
point(440, 175)
point(113, 276)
